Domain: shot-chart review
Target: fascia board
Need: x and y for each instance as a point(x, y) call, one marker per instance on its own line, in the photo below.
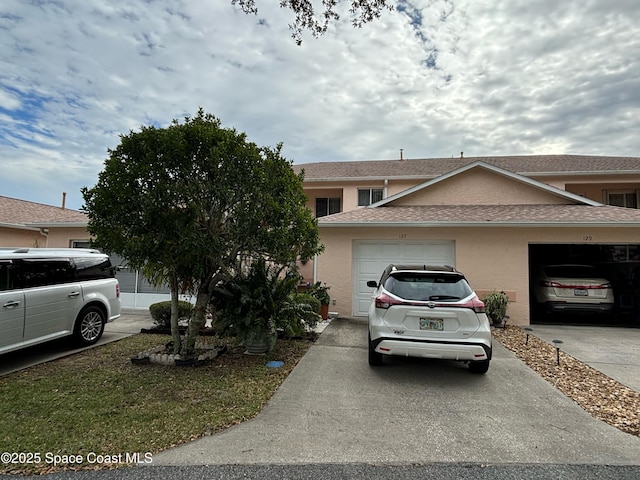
point(59, 224)
point(19, 226)
point(487, 224)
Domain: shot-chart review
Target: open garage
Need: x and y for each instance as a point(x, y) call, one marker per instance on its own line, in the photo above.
point(618, 264)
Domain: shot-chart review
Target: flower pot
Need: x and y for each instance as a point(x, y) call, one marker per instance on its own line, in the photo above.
point(258, 343)
point(324, 311)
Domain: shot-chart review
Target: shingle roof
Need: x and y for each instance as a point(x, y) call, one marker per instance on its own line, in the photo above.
point(432, 167)
point(22, 212)
point(486, 215)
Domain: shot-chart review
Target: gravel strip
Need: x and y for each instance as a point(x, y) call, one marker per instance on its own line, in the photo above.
point(598, 394)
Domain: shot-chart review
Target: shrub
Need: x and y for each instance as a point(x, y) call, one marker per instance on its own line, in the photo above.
point(161, 312)
point(496, 305)
point(263, 301)
point(299, 314)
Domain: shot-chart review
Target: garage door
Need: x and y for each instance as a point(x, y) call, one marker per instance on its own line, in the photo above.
point(371, 257)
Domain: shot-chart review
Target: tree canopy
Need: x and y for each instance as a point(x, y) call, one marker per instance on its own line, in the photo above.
point(306, 18)
point(190, 201)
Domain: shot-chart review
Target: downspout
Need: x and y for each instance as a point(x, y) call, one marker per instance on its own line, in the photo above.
point(315, 268)
point(385, 189)
point(45, 233)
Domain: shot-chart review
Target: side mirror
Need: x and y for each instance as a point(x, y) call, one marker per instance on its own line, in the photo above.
point(372, 284)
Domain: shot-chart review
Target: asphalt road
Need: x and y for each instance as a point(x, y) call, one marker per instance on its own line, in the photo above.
point(436, 471)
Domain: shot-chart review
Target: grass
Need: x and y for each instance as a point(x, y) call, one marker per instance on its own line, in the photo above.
point(98, 402)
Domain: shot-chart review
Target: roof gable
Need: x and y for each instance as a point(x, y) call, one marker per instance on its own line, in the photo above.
point(479, 183)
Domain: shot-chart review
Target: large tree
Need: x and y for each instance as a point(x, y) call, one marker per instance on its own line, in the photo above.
point(362, 11)
point(188, 202)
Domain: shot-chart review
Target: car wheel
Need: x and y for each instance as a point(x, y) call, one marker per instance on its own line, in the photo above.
point(375, 358)
point(89, 326)
point(481, 366)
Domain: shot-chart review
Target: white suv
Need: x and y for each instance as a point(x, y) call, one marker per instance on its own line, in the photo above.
point(428, 312)
point(52, 293)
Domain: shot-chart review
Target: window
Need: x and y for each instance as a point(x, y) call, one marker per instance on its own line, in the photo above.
point(627, 199)
point(80, 244)
point(92, 268)
point(367, 196)
point(41, 272)
point(5, 279)
point(327, 206)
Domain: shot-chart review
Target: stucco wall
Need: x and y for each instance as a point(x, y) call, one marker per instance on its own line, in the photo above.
point(491, 258)
point(62, 237)
point(13, 237)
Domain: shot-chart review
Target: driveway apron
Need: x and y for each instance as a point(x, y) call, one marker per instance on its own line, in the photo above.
point(334, 408)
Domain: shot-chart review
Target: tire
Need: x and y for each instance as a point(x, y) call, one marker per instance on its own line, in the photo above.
point(481, 366)
point(89, 326)
point(375, 358)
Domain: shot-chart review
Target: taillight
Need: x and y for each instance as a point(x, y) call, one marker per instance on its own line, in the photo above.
point(474, 304)
point(117, 290)
point(546, 283)
point(384, 301)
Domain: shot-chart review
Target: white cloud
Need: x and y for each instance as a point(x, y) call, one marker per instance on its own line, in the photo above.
point(484, 77)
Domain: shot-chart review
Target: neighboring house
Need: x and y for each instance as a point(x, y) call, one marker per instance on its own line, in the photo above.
point(493, 218)
point(29, 224)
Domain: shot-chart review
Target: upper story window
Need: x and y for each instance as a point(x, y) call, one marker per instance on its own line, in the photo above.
point(367, 196)
point(623, 198)
point(327, 206)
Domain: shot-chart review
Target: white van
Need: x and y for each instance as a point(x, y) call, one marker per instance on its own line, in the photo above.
point(47, 294)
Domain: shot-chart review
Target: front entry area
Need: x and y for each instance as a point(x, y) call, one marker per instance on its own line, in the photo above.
point(371, 257)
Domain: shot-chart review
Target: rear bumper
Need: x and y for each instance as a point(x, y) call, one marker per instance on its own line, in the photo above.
point(462, 351)
point(577, 307)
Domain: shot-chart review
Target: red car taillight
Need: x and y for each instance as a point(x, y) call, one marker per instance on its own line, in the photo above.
point(474, 304)
point(384, 301)
point(546, 283)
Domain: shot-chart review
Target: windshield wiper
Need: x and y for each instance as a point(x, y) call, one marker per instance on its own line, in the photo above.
point(444, 297)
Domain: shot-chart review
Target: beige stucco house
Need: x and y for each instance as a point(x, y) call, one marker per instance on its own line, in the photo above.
point(30, 224)
point(493, 218)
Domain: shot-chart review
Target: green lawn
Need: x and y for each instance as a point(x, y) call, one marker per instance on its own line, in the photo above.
point(98, 402)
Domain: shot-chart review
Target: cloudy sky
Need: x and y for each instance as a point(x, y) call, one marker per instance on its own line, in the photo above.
point(433, 77)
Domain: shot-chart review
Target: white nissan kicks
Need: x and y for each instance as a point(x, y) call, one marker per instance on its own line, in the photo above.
point(428, 312)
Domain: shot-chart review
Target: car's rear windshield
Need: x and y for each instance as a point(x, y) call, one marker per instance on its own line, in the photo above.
point(426, 286)
point(571, 271)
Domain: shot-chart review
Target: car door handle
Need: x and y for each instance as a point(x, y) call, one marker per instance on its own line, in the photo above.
point(12, 304)
point(74, 294)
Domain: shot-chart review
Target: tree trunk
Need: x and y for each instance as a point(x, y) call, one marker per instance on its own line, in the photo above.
point(175, 329)
point(197, 321)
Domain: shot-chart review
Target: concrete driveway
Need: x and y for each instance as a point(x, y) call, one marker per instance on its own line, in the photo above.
point(334, 408)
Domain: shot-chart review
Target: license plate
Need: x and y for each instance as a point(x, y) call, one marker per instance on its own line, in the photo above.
point(581, 292)
point(431, 324)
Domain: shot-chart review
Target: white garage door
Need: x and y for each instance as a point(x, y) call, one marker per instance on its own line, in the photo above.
point(371, 257)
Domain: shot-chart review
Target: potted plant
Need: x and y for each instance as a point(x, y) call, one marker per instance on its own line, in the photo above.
point(495, 304)
point(321, 292)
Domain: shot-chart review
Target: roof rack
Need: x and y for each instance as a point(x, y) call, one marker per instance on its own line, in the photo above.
point(37, 251)
point(436, 268)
